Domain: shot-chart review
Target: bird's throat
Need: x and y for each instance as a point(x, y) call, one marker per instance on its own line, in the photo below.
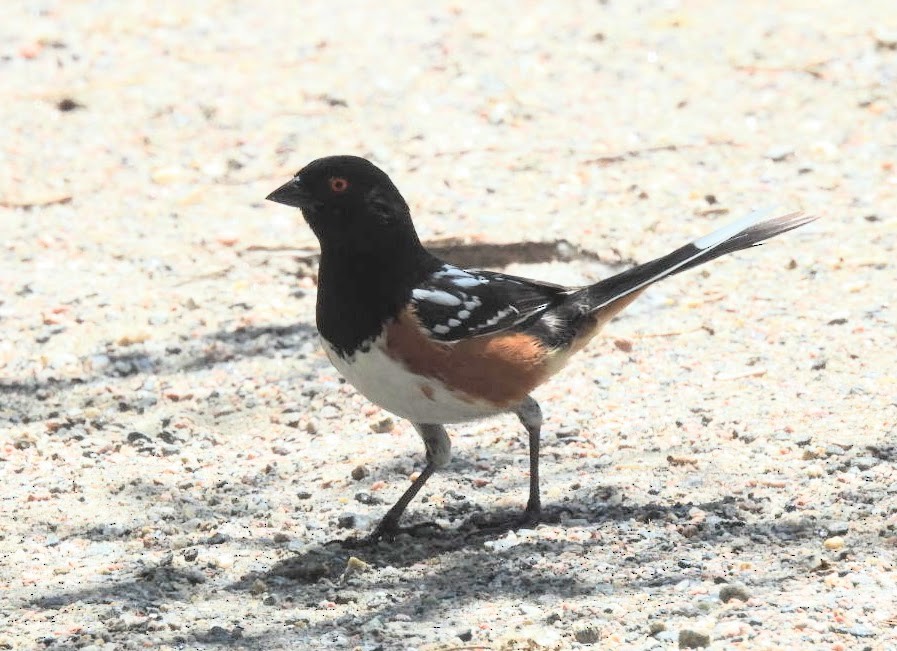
point(359, 291)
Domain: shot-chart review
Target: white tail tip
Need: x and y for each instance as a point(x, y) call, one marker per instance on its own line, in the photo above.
point(720, 235)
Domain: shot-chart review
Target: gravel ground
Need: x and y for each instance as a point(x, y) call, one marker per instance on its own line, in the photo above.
point(178, 460)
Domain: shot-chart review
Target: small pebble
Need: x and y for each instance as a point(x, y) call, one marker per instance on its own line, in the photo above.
point(218, 634)
point(779, 153)
point(383, 426)
point(329, 412)
point(833, 543)
point(864, 463)
point(366, 498)
point(587, 635)
point(565, 432)
point(886, 39)
point(623, 344)
point(131, 338)
point(837, 527)
point(689, 639)
point(510, 540)
point(166, 175)
point(354, 566)
point(817, 563)
point(729, 592)
point(856, 631)
point(794, 523)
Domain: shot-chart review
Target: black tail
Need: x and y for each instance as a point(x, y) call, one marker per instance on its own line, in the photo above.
point(749, 231)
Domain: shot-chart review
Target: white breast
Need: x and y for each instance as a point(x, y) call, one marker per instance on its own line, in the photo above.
point(388, 384)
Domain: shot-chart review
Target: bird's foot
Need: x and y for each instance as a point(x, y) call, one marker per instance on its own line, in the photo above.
point(530, 517)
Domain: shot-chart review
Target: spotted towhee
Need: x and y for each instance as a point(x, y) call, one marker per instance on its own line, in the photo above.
point(437, 344)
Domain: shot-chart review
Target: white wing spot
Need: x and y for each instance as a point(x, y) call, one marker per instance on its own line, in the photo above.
point(454, 323)
point(468, 281)
point(435, 296)
point(499, 316)
point(441, 329)
point(464, 314)
point(450, 272)
point(473, 303)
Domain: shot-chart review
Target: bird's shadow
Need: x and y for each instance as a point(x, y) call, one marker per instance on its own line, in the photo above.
point(423, 541)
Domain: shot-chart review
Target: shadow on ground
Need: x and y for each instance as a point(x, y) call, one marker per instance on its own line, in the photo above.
point(27, 400)
point(418, 576)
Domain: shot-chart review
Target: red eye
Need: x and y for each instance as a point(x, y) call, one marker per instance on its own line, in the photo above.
point(339, 184)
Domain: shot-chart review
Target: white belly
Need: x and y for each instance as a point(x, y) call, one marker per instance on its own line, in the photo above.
point(388, 384)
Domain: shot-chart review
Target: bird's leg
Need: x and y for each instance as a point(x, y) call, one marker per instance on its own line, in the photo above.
point(530, 416)
point(389, 525)
point(439, 451)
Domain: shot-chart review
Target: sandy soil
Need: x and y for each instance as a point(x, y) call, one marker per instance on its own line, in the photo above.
point(178, 460)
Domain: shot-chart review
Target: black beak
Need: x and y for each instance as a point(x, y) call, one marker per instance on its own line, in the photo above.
point(291, 193)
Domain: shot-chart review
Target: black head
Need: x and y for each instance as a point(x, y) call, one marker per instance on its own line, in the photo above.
point(347, 200)
point(371, 258)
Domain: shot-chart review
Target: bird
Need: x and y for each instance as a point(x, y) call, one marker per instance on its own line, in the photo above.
point(438, 344)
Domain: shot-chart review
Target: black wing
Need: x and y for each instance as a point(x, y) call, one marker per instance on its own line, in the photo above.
point(454, 303)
